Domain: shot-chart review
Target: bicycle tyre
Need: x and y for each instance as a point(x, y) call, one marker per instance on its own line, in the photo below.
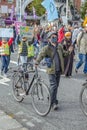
point(83, 102)
point(38, 103)
point(15, 89)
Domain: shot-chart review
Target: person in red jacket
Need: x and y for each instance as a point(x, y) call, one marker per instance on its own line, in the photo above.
point(5, 52)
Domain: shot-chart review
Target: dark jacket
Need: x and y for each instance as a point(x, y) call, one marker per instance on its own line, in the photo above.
point(47, 52)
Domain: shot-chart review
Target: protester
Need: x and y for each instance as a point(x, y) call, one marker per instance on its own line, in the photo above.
point(55, 66)
point(68, 60)
point(36, 45)
point(82, 50)
point(23, 49)
point(75, 34)
point(5, 52)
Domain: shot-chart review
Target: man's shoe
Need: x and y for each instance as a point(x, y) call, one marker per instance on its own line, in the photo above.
point(55, 107)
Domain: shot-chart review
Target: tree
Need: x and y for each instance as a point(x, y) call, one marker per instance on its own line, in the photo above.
point(83, 9)
point(40, 10)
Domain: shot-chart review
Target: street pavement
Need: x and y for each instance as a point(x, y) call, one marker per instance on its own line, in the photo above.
point(21, 116)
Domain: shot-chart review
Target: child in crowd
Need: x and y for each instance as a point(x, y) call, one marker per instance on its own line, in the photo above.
point(23, 49)
point(5, 53)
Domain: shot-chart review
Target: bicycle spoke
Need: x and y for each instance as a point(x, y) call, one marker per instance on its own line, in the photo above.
point(40, 94)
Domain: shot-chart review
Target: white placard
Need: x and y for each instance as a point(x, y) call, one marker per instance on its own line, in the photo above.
point(64, 19)
point(6, 32)
point(4, 9)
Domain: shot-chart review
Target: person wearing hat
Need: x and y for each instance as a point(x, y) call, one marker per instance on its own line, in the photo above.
point(55, 64)
point(82, 50)
point(68, 60)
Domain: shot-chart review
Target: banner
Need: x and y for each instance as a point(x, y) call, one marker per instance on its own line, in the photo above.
point(18, 25)
point(12, 12)
point(34, 13)
point(27, 31)
point(6, 32)
point(50, 7)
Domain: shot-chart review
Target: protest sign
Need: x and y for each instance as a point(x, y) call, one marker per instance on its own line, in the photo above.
point(27, 31)
point(18, 25)
point(6, 32)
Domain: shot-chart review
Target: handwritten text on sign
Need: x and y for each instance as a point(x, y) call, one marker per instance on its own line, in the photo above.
point(6, 32)
point(26, 31)
point(18, 25)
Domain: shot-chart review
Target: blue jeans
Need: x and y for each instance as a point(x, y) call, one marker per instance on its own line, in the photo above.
point(82, 59)
point(5, 63)
point(85, 66)
point(54, 83)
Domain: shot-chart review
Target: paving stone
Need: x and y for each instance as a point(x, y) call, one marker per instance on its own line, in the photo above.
point(9, 123)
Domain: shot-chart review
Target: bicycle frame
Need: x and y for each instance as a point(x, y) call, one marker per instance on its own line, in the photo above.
point(30, 85)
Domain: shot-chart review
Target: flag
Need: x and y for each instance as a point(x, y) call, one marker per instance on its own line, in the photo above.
point(25, 15)
point(50, 7)
point(12, 12)
point(34, 13)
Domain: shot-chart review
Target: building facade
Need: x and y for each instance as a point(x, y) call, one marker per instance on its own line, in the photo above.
point(5, 7)
point(77, 4)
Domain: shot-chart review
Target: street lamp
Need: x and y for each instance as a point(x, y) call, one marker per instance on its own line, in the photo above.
point(18, 9)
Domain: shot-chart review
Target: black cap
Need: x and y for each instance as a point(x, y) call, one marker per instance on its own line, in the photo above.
point(51, 33)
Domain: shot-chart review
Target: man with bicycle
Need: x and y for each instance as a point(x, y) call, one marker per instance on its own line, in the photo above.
point(55, 64)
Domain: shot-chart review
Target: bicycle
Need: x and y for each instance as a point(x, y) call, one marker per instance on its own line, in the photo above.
point(40, 93)
point(83, 98)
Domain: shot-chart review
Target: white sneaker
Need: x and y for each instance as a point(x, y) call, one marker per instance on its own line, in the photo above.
point(5, 75)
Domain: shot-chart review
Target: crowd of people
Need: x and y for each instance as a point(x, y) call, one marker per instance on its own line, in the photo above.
point(54, 46)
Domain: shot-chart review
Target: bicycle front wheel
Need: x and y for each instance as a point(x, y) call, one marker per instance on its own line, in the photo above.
point(83, 99)
point(17, 86)
point(41, 98)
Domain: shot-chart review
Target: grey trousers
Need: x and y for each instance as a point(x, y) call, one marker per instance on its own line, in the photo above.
point(54, 80)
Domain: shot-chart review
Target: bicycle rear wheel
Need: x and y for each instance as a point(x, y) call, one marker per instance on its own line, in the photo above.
point(83, 99)
point(41, 98)
point(17, 86)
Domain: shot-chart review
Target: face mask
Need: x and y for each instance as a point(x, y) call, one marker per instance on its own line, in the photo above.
point(54, 39)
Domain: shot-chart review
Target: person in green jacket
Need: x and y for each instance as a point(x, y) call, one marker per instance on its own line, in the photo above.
point(55, 64)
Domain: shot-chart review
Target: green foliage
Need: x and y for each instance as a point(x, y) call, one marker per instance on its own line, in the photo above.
point(83, 9)
point(40, 10)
